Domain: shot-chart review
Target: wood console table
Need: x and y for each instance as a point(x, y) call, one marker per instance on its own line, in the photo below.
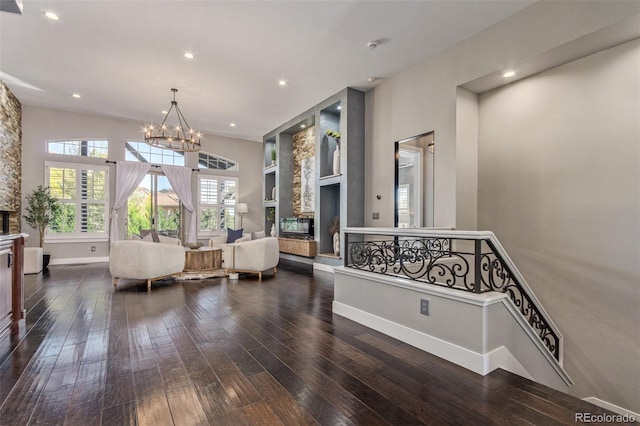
point(300, 247)
point(11, 280)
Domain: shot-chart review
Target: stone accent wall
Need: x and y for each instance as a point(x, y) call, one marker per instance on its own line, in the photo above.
point(10, 156)
point(304, 146)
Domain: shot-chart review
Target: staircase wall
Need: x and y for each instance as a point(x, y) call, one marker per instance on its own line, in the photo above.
point(480, 332)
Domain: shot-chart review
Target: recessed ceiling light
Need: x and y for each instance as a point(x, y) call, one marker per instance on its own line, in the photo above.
point(163, 112)
point(52, 16)
point(76, 95)
point(232, 124)
point(282, 82)
point(509, 74)
point(188, 55)
point(303, 126)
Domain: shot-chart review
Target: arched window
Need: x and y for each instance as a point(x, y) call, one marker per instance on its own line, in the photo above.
point(215, 162)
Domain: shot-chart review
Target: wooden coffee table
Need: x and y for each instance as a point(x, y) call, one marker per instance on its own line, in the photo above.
point(204, 259)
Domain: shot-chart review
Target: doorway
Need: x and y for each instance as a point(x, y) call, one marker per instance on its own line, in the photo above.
point(154, 204)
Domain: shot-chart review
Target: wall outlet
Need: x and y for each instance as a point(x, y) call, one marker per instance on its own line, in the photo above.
point(93, 248)
point(375, 215)
point(424, 306)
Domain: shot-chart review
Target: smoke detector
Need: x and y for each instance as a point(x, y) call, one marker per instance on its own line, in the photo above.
point(372, 44)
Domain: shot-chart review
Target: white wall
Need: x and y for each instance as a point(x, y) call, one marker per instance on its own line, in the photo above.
point(559, 184)
point(42, 124)
point(424, 98)
point(466, 160)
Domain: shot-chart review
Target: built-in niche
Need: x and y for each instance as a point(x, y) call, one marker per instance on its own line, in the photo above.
point(329, 121)
point(270, 190)
point(329, 212)
point(270, 153)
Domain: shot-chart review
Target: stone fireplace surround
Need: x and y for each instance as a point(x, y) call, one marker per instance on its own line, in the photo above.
point(11, 164)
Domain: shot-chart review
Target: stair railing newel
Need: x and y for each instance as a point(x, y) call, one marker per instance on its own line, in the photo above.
point(433, 260)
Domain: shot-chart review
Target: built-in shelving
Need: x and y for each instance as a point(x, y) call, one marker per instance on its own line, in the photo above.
point(339, 187)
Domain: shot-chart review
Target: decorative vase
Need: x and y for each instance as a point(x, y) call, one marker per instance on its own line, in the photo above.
point(336, 244)
point(273, 230)
point(336, 160)
point(273, 193)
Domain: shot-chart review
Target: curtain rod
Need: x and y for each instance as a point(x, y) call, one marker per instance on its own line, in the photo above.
point(153, 165)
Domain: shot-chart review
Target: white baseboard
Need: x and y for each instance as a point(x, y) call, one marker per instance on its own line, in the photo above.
point(77, 260)
point(612, 407)
point(478, 363)
point(322, 267)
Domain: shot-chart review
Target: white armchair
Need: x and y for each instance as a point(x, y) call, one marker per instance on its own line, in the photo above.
point(254, 256)
point(145, 260)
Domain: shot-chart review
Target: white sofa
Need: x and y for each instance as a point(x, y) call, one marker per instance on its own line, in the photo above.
point(145, 260)
point(252, 256)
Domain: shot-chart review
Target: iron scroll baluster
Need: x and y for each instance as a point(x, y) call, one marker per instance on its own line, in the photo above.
point(434, 261)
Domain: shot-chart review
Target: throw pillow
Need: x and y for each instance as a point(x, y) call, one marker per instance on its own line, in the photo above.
point(257, 235)
point(243, 239)
point(233, 234)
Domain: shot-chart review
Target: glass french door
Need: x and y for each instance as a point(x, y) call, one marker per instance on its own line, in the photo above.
point(154, 204)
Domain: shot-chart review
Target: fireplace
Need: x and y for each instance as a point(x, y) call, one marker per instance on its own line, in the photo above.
point(4, 220)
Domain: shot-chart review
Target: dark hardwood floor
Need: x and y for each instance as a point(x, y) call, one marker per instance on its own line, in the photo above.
point(235, 353)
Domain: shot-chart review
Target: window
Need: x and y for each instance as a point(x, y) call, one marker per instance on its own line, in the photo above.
point(80, 148)
point(403, 206)
point(145, 153)
point(83, 193)
point(217, 204)
point(209, 161)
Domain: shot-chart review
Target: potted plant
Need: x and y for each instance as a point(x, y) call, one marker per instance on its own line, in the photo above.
point(41, 209)
point(273, 156)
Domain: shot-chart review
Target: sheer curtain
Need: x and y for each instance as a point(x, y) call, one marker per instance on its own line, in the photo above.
point(180, 180)
point(128, 176)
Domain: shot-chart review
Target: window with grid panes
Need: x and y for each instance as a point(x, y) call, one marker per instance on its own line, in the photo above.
point(145, 153)
point(82, 191)
point(217, 203)
point(215, 162)
point(80, 148)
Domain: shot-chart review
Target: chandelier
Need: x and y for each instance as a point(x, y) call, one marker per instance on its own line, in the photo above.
point(180, 137)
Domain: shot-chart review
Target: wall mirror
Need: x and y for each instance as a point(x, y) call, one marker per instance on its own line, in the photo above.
point(414, 181)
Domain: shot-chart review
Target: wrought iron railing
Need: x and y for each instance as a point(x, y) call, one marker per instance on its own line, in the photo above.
point(461, 260)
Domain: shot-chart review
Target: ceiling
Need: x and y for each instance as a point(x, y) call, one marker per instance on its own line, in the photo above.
point(123, 57)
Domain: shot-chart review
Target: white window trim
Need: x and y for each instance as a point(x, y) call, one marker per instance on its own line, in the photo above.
point(78, 236)
point(207, 234)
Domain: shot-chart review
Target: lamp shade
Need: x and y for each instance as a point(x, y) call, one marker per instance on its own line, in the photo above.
point(242, 208)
